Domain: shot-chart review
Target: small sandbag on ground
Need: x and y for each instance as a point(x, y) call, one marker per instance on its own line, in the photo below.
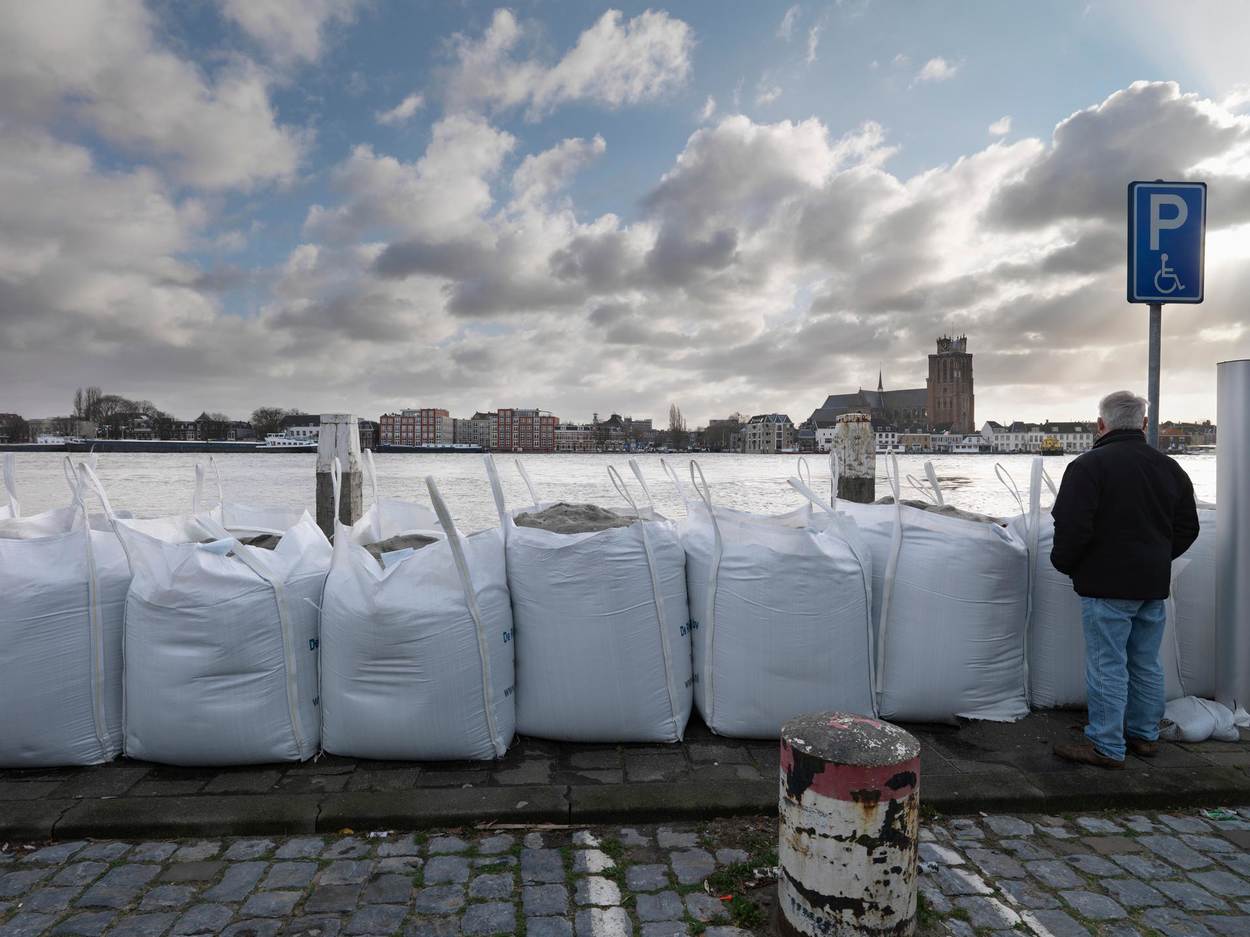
point(395, 544)
point(946, 510)
point(564, 518)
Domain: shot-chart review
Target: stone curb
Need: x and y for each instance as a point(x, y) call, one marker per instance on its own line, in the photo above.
point(269, 814)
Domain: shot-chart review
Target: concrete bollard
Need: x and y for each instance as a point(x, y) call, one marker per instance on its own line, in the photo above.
point(1232, 535)
point(339, 436)
point(850, 819)
point(855, 445)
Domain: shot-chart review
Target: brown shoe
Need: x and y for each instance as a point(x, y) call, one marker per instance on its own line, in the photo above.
point(1142, 747)
point(1084, 753)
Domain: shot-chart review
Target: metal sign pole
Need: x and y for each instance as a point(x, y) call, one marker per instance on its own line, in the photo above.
point(1152, 379)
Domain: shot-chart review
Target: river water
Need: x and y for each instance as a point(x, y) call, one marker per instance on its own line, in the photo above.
point(156, 484)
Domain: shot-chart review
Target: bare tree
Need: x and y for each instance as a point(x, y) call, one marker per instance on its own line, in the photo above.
point(676, 427)
point(266, 420)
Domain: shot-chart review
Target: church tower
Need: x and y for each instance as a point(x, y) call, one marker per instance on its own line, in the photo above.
point(951, 400)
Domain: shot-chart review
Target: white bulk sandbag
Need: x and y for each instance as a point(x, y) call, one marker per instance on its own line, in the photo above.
point(1191, 610)
point(781, 614)
point(416, 657)
point(11, 507)
point(602, 652)
point(240, 519)
point(949, 601)
point(62, 596)
point(221, 642)
point(1191, 719)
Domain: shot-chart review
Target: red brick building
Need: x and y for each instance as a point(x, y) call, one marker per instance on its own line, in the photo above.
point(423, 427)
point(514, 430)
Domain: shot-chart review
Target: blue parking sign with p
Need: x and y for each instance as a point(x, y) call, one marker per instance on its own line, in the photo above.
point(1167, 224)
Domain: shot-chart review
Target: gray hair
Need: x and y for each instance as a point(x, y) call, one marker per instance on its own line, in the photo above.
point(1122, 410)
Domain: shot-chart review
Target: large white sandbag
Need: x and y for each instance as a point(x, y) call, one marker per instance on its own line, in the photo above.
point(62, 596)
point(221, 642)
point(1191, 610)
point(241, 519)
point(1190, 719)
point(781, 614)
point(11, 507)
point(416, 657)
point(602, 651)
point(949, 601)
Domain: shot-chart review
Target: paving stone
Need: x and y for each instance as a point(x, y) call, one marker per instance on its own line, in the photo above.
point(316, 925)
point(1222, 883)
point(1092, 865)
point(936, 901)
point(1093, 906)
point(1009, 826)
point(987, 912)
point(586, 839)
point(203, 919)
point(1025, 850)
point(1140, 824)
point(1233, 925)
point(533, 840)
point(400, 865)
point(646, 877)
point(376, 919)
point(152, 852)
point(192, 871)
point(406, 845)
point(167, 898)
point(15, 884)
point(491, 917)
point(1111, 845)
point(143, 925)
point(243, 782)
point(952, 880)
point(237, 883)
point(591, 861)
point(388, 889)
point(548, 927)
point(692, 866)
point(27, 924)
point(440, 870)
point(80, 873)
point(439, 899)
point(1239, 863)
point(300, 847)
point(1027, 896)
point(1100, 825)
point(1054, 873)
point(731, 856)
point(86, 923)
point(270, 904)
point(50, 900)
point(604, 922)
point(346, 872)
point(349, 847)
point(958, 928)
point(596, 890)
point(541, 865)
point(1190, 897)
point(103, 852)
point(936, 852)
point(1169, 922)
point(966, 828)
point(726, 932)
point(56, 854)
point(495, 862)
point(1145, 867)
point(1120, 929)
point(1207, 843)
point(665, 929)
point(496, 885)
point(1054, 924)
point(675, 839)
point(289, 875)
point(243, 849)
point(529, 771)
point(632, 837)
point(197, 852)
point(1133, 894)
point(664, 906)
point(257, 927)
point(1056, 832)
point(325, 898)
point(1185, 824)
point(433, 927)
point(440, 845)
point(544, 900)
point(705, 908)
point(495, 845)
point(996, 864)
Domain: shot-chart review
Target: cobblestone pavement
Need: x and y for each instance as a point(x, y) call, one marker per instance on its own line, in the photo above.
point(1111, 875)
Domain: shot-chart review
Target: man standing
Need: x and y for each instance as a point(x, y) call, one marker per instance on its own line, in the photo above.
point(1123, 513)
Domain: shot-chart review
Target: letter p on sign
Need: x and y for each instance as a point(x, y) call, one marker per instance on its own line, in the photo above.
point(1158, 222)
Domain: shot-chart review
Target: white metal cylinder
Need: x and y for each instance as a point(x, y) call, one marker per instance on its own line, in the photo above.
point(1232, 534)
point(849, 821)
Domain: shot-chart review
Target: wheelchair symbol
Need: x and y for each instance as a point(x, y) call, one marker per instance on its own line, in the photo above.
point(1165, 274)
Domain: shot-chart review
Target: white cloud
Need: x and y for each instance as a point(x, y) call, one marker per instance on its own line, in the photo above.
point(901, 60)
point(104, 64)
point(937, 69)
point(1001, 127)
point(402, 112)
point(767, 91)
point(708, 110)
point(785, 30)
point(615, 62)
point(813, 40)
point(291, 31)
point(540, 176)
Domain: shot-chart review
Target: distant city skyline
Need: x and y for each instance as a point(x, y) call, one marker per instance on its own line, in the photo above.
point(367, 205)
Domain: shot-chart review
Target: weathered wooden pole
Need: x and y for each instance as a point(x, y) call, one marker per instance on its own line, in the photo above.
point(849, 824)
point(340, 436)
point(855, 446)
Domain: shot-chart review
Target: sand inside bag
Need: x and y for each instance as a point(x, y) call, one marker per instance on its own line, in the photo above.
point(565, 518)
point(395, 544)
point(947, 510)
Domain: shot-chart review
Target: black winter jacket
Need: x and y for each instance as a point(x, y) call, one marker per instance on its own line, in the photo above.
point(1123, 513)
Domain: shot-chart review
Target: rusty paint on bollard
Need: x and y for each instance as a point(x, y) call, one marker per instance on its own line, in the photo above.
point(850, 818)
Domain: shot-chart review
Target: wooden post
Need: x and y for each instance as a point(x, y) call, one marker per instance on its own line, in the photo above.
point(340, 436)
point(856, 449)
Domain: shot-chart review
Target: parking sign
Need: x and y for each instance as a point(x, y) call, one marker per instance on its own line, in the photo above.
point(1167, 224)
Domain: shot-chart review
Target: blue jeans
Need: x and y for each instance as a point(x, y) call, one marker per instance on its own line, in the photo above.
point(1123, 676)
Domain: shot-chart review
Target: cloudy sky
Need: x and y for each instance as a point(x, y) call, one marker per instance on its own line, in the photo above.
point(362, 205)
